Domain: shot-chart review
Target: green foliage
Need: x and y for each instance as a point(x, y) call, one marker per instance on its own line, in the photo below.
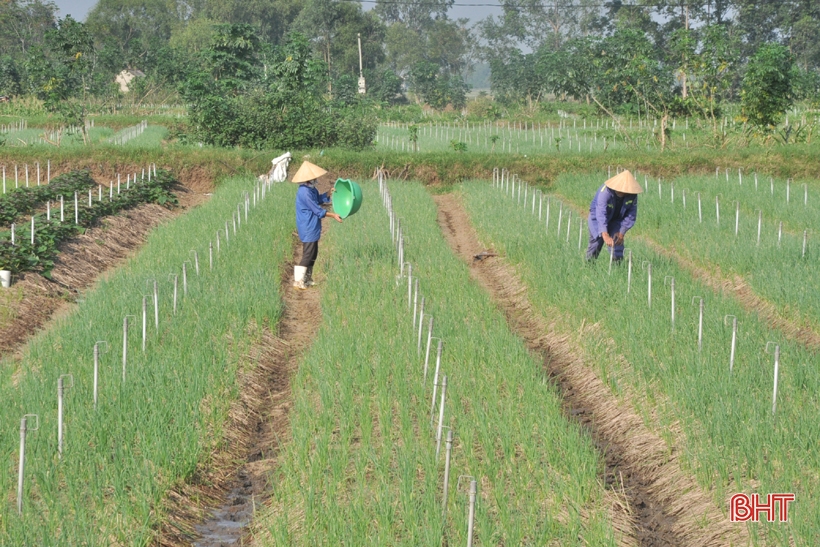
point(438, 88)
point(288, 111)
point(147, 433)
point(458, 146)
point(23, 256)
point(232, 58)
point(767, 87)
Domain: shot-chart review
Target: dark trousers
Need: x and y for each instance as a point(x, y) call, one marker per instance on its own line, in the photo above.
point(597, 243)
point(310, 251)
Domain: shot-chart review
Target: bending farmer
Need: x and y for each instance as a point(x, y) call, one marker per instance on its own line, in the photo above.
point(309, 215)
point(612, 213)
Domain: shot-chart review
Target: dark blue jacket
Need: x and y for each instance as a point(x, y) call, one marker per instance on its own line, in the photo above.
point(604, 218)
point(309, 214)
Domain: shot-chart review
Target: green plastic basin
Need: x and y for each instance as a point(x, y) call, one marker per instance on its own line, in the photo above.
point(347, 198)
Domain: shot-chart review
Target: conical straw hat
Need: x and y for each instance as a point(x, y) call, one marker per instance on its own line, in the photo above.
point(307, 172)
point(624, 182)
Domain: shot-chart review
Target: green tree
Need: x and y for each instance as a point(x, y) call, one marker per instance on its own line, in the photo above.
point(23, 24)
point(232, 57)
point(132, 28)
point(270, 18)
point(767, 87)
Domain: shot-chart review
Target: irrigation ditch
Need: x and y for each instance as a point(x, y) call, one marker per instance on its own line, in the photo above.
point(217, 506)
point(665, 503)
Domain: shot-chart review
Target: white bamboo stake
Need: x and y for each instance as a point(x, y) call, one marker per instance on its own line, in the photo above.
point(471, 513)
point(629, 272)
point(700, 321)
point(700, 212)
point(61, 387)
point(144, 321)
point(776, 370)
point(448, 451)
point(441, 415)
point(734, 341)
point(648, 266)
point(22, 461)
point(416, 303)
point(409, 285)
point(759, 225)
point(672, 285)
point(560, 213)
point(805, 241)
point(421, 326)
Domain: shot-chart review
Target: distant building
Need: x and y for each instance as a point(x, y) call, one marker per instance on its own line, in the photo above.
point(124, 78)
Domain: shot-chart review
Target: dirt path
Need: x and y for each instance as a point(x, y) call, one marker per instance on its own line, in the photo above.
point(667, 505)
point(217, 509)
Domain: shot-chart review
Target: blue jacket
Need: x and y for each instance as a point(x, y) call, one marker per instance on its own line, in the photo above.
point(604, 218)
point(309, 214)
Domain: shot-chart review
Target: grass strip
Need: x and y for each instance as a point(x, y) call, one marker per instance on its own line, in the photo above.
point(776, 270)
point(731, 439)
point(154, 428)
point(361, 466)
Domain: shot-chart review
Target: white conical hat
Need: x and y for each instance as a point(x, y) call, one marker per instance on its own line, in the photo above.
point(307, 172)
point(624, 182)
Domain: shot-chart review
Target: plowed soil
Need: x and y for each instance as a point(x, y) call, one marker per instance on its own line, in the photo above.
point(666, 505)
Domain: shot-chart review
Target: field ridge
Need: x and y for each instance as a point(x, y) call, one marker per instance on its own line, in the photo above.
point(669, 508)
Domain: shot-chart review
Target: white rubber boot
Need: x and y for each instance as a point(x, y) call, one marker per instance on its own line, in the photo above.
point(299, 277)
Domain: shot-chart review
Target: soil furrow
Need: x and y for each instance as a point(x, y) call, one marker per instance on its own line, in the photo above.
point(34, 300)
point(667, 505)
point(216, 507)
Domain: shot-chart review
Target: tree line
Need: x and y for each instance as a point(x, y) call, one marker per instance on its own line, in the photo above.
point(235, 58)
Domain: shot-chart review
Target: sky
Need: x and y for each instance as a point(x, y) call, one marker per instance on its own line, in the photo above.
point(78, 9)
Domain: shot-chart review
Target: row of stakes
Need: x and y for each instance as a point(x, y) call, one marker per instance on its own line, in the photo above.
point(129, 133)
point(66, 381)
point(22, 177)
point(128, 182)
point(503, 180)
point(737, 204)
point(417, 304)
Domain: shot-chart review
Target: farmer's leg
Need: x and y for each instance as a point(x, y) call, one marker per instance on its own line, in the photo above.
point(309, 251)
point(595, 246)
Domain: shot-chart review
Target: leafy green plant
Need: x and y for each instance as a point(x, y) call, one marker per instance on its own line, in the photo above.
point(767, 87)
point(23, 256)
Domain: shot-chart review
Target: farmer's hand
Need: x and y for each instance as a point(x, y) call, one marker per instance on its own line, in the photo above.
point(335, 216)
point(332, 189)
point(607, 239)
point(619, 238)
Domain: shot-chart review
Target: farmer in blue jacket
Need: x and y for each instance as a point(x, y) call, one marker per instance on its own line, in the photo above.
point(612, 213)
point(309, 215)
